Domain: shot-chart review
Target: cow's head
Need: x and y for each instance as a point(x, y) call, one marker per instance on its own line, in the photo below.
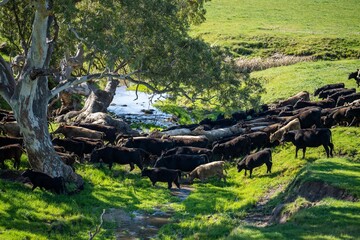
point(145, 172)
point(241, 165)
point(95, 156)
point(288, 136)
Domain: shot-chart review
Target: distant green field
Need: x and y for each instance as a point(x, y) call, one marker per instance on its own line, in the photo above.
point(282, 82)
point(329, 29)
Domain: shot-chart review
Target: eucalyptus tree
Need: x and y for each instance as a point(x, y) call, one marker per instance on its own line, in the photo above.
point(144, 42)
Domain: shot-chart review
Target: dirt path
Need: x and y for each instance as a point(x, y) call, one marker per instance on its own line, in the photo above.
point(258, 216)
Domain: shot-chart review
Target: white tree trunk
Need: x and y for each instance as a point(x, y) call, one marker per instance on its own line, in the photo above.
point(28, 97)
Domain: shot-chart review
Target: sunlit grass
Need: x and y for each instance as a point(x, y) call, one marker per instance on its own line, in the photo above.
point(327, 29)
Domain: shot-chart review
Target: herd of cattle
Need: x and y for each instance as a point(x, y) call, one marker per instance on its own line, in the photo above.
point(201, 152)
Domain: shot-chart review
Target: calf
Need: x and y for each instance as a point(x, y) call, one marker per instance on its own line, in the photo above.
point(120, 155)
point(347, 99)
point(313, 137)
point(162, 175)
point(182, 162)
point(208, 170)
point(256, 160)
point(42, 180)
point(234, 148)
point(13, 151)
point(73, 131)
point(328, 86)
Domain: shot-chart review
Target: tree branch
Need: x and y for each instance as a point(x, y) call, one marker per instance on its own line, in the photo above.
point(3, 2)
point(97, 229)
point(77, 80)
point(7, 81)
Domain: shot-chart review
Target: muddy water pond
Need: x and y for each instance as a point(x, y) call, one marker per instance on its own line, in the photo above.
point(138, 108)
point(140, 225)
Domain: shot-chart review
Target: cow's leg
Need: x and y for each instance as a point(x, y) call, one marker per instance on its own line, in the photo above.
point(176, 181)
point(268, 165)
point(131, 166)
point(34, 186)
point(245, 172)
point(304, 151)
point(169, 185)
point(296, 152)
point(251, 172)
point(153, 183)
point(331, 145)
point(326, 150)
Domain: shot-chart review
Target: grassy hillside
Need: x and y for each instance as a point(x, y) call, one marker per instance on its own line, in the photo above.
point(214, 210)
point(327, 29)
point(282, 82)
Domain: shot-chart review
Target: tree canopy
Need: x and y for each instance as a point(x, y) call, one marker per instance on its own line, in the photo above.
point(147, 41)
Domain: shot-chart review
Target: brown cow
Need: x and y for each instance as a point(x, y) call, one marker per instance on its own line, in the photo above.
point(208, 170)
point(293, 99)
point(73, 131)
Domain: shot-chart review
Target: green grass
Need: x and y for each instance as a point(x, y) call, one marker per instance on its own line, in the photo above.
point(213, 210)
point(282, 82)
point(326, 29)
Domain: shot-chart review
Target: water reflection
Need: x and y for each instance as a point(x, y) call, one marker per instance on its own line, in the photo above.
point(140, 110)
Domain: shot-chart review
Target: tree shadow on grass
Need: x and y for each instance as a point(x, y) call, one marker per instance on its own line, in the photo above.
point(27, 213)
point(322, 221)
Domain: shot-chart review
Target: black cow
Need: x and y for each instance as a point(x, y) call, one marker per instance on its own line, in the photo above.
point(120, 155)
point(337, 116)
point(13, 151)
point(234, 148)
point(6, 140)
point(154, 146)
point(162, 175)
point(347, 99)
point(218, 123)
point(340, 93)
point(189, 151)
point(313, 137)
point(182, 162)
point(256, 160)
point(354, 113)
point(328, 86)
point(89, 144)
point(327, 103)
point(310, 117)
point(42, 180)
point(71, 146)
point(325, 93)
point(258, 140)
point(355, 75)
